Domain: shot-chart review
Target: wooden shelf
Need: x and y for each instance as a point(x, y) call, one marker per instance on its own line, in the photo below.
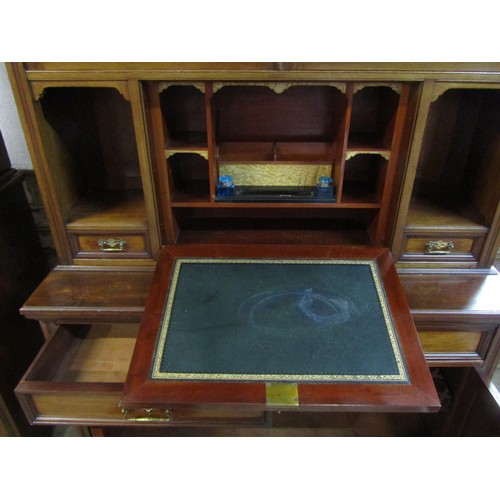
point(350, 202)
point(195, 146)
point(426, 213)
point(111, 210)
point(297, 151)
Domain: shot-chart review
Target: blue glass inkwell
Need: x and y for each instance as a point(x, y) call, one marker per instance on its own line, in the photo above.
point(227, 191)
point(225, 187)
point(324, 188)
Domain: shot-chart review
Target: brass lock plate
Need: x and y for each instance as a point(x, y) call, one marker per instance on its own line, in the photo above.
point(282, 394)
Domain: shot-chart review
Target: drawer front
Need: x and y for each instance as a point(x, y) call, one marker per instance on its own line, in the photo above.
point(96, 407)
point(78, 376)
point(70, 407)
point(455, 347)
point(441, 247)
point(106, 245)
point(186, 417)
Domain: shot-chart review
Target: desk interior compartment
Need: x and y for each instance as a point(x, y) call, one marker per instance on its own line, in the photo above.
point(274, 225)
point(273, 134)
point(455, 188)
point(373, 116)
point(183, 110)
point(90, 141)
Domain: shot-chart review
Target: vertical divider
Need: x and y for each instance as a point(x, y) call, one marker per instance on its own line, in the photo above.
point(138, 113)
point(421, 110)
point(341, 145)
point(31, 116)
point(170, 229)
point(379, 231)
point(211, 141)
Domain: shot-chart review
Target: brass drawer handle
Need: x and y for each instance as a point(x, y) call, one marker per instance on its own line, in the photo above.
point(112, 245)
point(148, 415)
point(439, 247)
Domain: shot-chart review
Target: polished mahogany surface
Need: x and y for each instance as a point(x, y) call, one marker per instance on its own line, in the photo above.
point(90, 295)
point(419, 395)
point(462, 295)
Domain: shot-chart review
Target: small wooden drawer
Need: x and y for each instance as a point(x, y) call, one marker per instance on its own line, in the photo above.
point(105, 245)
point(192, 416)
point(455, 347)
point(441, 247)
point(79, 375)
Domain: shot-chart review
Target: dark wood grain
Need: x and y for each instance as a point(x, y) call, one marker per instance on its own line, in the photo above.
point(90, 295)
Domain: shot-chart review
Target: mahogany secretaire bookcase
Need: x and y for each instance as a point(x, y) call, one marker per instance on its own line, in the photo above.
point(171, 185)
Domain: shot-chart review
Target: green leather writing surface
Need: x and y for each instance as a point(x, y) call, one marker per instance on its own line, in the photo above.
point(322, 320)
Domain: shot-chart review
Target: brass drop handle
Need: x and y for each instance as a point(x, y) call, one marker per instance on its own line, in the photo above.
point(112, 245)
point(147, 415)
point(439, 247)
